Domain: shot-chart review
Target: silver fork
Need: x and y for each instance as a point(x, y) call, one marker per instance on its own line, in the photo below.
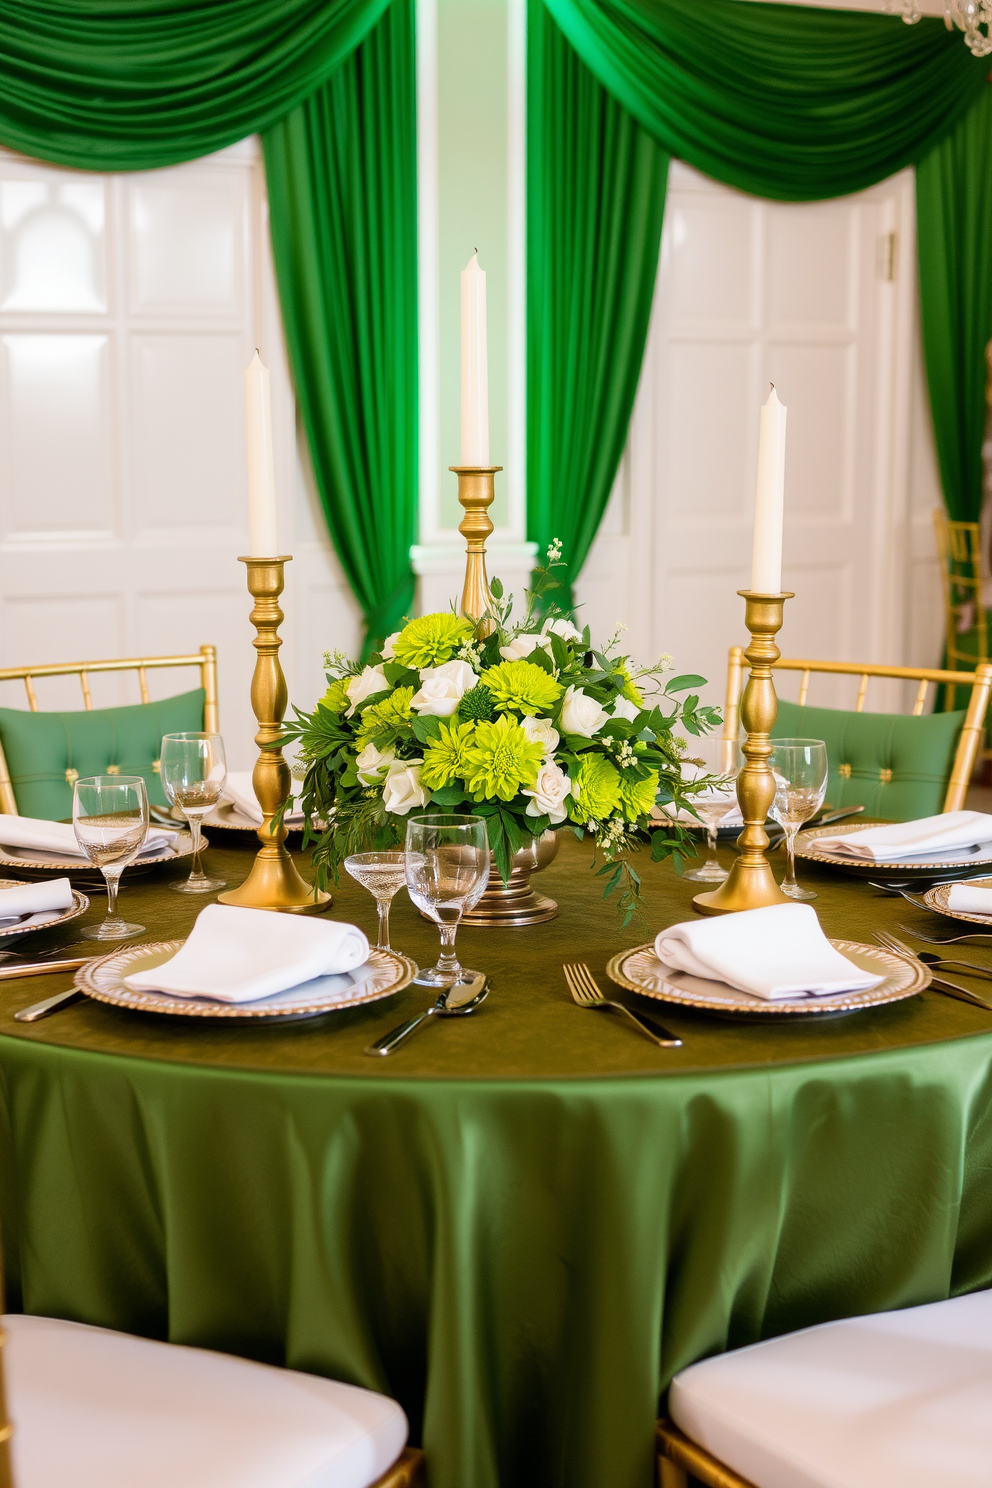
point(951, 989)
point(586, 992)
point(946, 939)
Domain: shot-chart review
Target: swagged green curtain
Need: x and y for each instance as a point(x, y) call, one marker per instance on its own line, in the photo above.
point(790, 103)
point(120, 85)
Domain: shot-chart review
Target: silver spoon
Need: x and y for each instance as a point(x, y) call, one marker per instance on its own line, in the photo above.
point(453, 1002)
point(930, 959)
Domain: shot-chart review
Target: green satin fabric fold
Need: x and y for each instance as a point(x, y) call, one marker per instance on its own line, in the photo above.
point(954, 235)
point(523, 1266)
point(596, 201)
point(784, 102)
point(342, 179)
point(131, 84)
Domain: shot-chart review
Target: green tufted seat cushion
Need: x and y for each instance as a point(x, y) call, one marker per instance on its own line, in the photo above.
point(44, 749)
point(895, 766)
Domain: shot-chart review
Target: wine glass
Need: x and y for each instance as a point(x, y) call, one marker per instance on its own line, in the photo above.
point(383, 874)
point(800, 768)
point(447, 869)
point(110, 819)
point(193, 773)
point(721, 760)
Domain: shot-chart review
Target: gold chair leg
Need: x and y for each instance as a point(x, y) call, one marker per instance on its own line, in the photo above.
point(408, 1471)
point(672, 1474)
point(679, 1455)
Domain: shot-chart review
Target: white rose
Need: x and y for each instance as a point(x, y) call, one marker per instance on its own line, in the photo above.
point(521, 646)
point(387, 646)
point(372, 762)
point(540, 731)
point(370, 681)
point(581, 714)
point(550, 789)
point(442, 688)
point(624, 708)
point(565, 629)
point(402, 789)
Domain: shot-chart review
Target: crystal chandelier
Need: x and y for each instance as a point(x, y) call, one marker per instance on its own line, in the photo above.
point(968, 15)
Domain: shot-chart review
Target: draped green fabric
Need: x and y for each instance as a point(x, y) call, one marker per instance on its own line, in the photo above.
point(780, 101)
point(596, 185)
point(341, 171)
point(954, 232)
point(115, 85)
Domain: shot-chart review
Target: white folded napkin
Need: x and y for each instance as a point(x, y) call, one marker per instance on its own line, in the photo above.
point(42, 900)
point(913, 839)
point(967, 898)
point(733, 817)
point(241, 955)
point(776, 952)
point(238, 789)
point(59, 838)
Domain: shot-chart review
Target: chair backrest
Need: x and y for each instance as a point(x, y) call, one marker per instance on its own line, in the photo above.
point(960, 547)
point(205, 659)
point(955, 737)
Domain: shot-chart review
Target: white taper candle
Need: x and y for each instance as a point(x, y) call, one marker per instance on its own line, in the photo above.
point(766, 563)
point(262, 539)
point(475, 366)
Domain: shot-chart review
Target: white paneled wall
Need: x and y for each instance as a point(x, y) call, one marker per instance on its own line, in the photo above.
point(129, 308)
point(820, 299)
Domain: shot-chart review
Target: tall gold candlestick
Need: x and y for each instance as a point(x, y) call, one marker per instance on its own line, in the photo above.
point(273, 882)
point(751, 883)
point(476, 492)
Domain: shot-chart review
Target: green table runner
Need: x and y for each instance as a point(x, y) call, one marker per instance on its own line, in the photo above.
point(522, 1225)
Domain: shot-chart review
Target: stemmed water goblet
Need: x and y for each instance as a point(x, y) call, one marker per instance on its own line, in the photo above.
point(447, 869)
point(800, 769)
point(383, 874)
point(110, 820)
point(720, 761)
point(193, 773)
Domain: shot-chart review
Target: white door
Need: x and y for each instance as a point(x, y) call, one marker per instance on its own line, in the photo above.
point(820, 299)
point(129, 308)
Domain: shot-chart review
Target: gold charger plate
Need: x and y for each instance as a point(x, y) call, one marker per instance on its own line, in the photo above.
point(80, 904)
point(30, 863)
point(229, 819)
point(385, 972)
point(640, 971)
point(960, 863)
point(937, 899)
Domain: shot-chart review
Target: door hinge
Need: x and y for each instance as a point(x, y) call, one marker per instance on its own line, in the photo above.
point(888, 247)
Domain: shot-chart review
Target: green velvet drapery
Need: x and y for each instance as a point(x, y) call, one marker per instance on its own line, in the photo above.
point(777, 100)
point(117, 85)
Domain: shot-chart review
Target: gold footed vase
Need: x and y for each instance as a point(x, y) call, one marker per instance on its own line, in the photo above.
point(515, 903)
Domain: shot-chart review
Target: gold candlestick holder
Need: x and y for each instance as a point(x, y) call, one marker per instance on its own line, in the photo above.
point(273, 882)
point(476, 492)
point(751, 883)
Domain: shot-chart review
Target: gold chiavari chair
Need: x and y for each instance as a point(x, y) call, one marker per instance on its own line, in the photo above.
point(959, 545)
point(896, 766)
point(42, 753)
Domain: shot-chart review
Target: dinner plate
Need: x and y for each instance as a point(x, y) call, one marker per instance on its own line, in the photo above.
point(228, 818)
point(958, 863)
point(641, 971)
point(384, 973)
point(45, 919)
point(32, 863)
point(936, 898)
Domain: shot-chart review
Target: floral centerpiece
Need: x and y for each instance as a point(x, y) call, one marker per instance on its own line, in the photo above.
point(531, 727)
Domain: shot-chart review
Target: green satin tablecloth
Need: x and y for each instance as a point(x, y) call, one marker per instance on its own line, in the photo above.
point(523, 1224)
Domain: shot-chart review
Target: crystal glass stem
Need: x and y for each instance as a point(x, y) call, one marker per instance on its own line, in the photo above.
point(112, 878)
point(382, 905)
point(447, 962)
point(789, 881)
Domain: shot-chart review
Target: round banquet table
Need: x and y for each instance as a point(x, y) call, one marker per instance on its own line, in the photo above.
point(523, 1224)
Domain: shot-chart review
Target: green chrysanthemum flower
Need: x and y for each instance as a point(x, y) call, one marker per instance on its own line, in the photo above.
point(595, 789)
point(336, 697)
point(394, 712)
point(431, 640)
point(477, 703)
point(631, 691)
point(638, 796)
point(501, 760)
point(522, 685)
point(445, 758)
